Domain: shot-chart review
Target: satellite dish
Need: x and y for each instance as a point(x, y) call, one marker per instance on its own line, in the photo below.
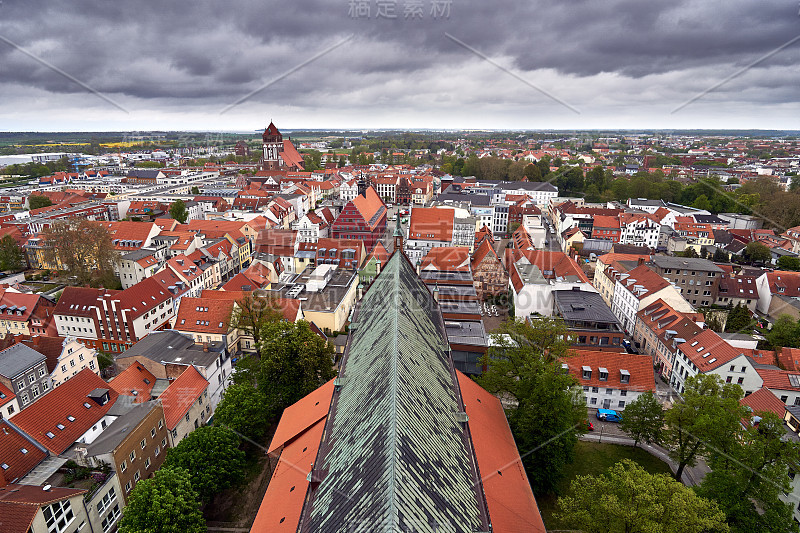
point(47, 487)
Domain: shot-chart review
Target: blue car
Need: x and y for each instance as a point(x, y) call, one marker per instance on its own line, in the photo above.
point(608, 415)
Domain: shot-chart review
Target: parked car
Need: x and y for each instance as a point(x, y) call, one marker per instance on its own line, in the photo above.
point(608, 415)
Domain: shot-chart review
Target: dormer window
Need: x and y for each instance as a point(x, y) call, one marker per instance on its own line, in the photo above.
point(624, 376)
point(603, 374)
point(587, 372)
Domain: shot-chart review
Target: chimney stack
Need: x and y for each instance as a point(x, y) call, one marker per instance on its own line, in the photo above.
point(641, 261)
point(205, 347)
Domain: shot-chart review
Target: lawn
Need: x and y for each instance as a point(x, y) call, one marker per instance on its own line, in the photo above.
point(592, 458)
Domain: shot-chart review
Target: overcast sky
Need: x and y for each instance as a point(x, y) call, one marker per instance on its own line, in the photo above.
point(526, 64)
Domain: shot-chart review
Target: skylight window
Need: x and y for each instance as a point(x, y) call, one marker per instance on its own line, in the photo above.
point(87, 405)
point(23, 450)
point(50, 435)
point(60, 426)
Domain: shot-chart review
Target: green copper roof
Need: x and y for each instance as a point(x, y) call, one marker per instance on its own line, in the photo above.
point(395, 456)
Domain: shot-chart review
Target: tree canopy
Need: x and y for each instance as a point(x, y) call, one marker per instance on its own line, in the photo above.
point(756, 252)
point(644, 419)
point(81, 247)
point(178, 211)
point(165, 503)
point(747, 481)
point(548, 409)
point(37, 201)
point(739, 319)
point(706, 418)
point(629, 499)
point(212, 457)
point(11, 256)
point(242, 410)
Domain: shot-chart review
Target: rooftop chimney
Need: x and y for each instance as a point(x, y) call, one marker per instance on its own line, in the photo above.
point(205, 346)
point(641, 261)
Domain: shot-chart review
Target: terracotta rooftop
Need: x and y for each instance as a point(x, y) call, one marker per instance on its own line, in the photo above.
point(639, 369)
point(201, 315)
point(135, 381)
point(763, 401)
point(181, 394)
point(708, 351)
point(431, 223)
point(63, 415)
point(18, 455)
point(19, 504)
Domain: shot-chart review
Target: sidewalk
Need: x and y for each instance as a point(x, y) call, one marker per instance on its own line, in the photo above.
point(692, 475)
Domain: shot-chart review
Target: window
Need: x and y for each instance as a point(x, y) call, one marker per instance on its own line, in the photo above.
point(784, 398)
point(137, 476)
point(609, 391)
point(41, 372)
point(740, 381)
point(729, 379)
point(31, 378)
point(24, 398)
point(160, 423)
point(143, 443)
point(128, 486)
point(106, 500)
point(593, 401)
point(595, 389)
point(152, 433)
point(58, 516)
point(147, 463)
point(622, 403)
point(110, 520)
point(623, 393)
point(158, 450)
point(123, 466)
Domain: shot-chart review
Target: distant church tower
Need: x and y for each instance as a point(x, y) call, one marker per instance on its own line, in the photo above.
point(273, 146)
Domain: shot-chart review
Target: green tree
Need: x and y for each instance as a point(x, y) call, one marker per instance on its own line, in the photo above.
point(165, 503)
point(212, 457)
point(643, 419)
point(720, 256)
point(702, 202)
point(689, 251)
point(523, 367)
point(747, 482)
point(533, 173)
point(295, 361)
point(628, 499)
point(195, 189)
point(739, 319)
point(788, 262)
point(785, 332)
point(11, 256)
point(178, 211)
point(706, 418)
point(81, 247)
point(252, 313)
point(37, 201)
point(242, 410)
point(756, 252)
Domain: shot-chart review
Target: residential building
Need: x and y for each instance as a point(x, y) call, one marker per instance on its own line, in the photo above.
point(737, 289)
point(535, 274)
point(134, 445)
point(74, 356)
point(589, 319)
point(606, 228)
point(9, 406)
point(76, 411)
point(604, 283)
point(639, 230)
point(23, 371)
point(186, 405)
point(168, 354)
point(30, 509)
point(363, 218)
point(429, 227)
point(25, 314)
point(489, 276)
point(19, 454)
point(610, 380)
point(659, 331)
point(776, 290)
point(696, 279)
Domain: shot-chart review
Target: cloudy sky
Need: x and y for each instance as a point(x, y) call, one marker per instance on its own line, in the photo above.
point(527, 64)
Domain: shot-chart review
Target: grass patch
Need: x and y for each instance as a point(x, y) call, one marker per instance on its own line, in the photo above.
point(592, 458)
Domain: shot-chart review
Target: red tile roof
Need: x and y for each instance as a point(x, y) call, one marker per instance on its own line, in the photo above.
point(640, 368)
point(369, 206)
point(708, 351)
point(201, 315)
point(18, 463)
point(282, 505)
point(379, 252)
point(789, 359)
point(778, 379)
point(431, 223)
point(763, 401)
point(181, 395)
point(447, 259)
point(642, 281)
point(512, 506)
point(300, 416)
point(6, 395)
point(606, 222)
point(20, 503)
point(136, 381)
point(783, 282)
point(42, 418)
point(485, 249)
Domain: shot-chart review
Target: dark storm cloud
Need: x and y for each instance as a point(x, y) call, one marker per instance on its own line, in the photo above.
point(213, 52)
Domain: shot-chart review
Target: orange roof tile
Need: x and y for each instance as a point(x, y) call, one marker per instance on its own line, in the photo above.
point(181, 394)
point(19, 463)
point(431, 223)
point(512, 506)
point(447, 259)
point(202, 315)
point(707, 350)
point(136, 381)
point(70, 399)
point(639, 367)
point(301, 415)
point(763, 401)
